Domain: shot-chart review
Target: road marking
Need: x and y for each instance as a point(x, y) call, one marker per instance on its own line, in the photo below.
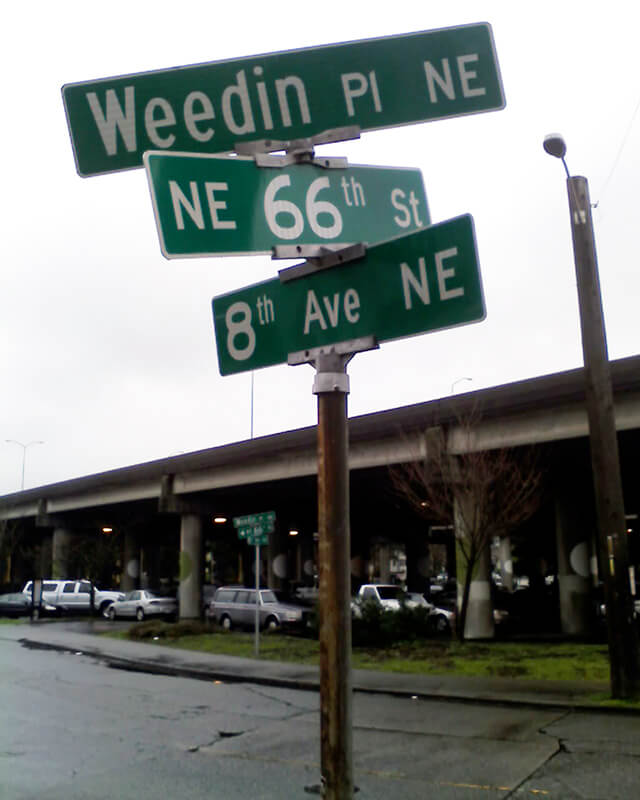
point(391, 775)
point(488, 788)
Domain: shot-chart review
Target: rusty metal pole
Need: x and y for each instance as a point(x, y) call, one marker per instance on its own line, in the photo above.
point(334, 555)
point(603, 441)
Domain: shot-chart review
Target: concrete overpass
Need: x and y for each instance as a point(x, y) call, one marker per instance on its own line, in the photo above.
point(174, 499)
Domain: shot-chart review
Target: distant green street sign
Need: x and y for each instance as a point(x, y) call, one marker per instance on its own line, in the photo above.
point(220, 205)
point(425, 281)
point(257, 539)
point(372, 83)
point(266, 518)
point(257, 530)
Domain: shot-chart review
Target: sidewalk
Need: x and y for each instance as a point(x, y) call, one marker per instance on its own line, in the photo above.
point(158, 659)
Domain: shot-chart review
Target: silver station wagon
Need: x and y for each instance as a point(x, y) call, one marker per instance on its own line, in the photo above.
point(234, 606)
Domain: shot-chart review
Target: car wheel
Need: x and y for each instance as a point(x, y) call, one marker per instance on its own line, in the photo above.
point(140, 614)
point(110, 612)
point(272, 624)
point(35, 613)
point(104, 609)
point(226, 622)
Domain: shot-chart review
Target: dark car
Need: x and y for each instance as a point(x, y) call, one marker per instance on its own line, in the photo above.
point(18, 604)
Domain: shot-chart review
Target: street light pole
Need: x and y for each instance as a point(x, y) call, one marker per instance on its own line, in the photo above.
point(24, 453)
point(605, 459)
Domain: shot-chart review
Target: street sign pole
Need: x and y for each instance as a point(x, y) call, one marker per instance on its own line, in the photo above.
point(331, 385)
point(255, 529)
point(256, 636)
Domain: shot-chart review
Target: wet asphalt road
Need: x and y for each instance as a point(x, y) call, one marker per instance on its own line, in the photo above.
point(76, 729)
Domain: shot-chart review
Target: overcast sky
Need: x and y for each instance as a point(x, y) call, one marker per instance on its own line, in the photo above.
point(107, 351)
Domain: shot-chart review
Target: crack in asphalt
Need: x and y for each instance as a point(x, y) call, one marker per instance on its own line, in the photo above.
point(560, 748)
point(222, 735)
point(267, 696)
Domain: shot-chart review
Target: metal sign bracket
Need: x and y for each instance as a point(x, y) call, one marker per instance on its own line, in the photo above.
point(340, 351)
point(319, 257)
point(298, 151)
point(272, 161)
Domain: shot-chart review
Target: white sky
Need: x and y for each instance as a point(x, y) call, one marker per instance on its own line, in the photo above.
point(107, 351)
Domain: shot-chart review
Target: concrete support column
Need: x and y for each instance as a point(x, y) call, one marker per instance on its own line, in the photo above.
point(130, 563)
point(278, 560)
point(191, 567)
point(60, 553)
point(384, 555)
point(506, 564)
point(149, 573)
point(479, 621)
point(44, 564)
point(574, 556)
point(358, 571)
point(419, 565)
point(307, 558)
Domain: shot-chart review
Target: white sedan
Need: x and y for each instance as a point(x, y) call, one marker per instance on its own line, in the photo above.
point(442, 618)
point(143, 603)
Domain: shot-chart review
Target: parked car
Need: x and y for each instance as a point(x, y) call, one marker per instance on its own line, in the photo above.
point(387, 595)
point(236, 607)
point(442, 619)
point(18, 604)
point(208, 592)
point(74, 595)
point(143, 603)
point(415, 600)
point(306, 595)
point(392, 598)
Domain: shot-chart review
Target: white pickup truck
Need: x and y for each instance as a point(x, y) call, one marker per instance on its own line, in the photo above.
point(385, 594)
point(74, 595)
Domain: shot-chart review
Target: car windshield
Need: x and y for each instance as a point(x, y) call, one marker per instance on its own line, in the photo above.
point(268, 597)
point(389, 592)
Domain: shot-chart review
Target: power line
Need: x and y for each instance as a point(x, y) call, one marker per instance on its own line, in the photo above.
point(618, 155)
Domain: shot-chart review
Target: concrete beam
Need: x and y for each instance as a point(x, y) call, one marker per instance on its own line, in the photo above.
point(529, 426)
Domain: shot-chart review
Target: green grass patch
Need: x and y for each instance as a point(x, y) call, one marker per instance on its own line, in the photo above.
point(536, 661)
point(562, 661)
point(606, 701)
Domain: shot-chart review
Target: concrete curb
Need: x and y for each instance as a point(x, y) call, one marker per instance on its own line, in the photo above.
point(364, 682)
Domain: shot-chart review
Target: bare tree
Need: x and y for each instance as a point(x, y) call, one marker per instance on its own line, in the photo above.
point(483, 493)
point(95, 557)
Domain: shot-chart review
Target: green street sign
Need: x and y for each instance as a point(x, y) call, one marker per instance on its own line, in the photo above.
point(265, 518)
point(208, 108)
point(425, 281)
point(209, 205)
point(257, 539)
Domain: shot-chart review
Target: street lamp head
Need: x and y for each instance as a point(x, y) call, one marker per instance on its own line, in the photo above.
point(555, 145)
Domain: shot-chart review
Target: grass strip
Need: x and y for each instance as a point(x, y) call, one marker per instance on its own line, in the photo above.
point(562, 661)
